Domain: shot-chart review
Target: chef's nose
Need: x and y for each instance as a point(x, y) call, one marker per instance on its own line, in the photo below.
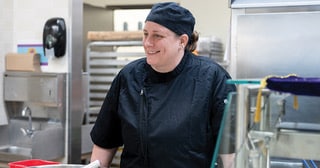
point(147, 41)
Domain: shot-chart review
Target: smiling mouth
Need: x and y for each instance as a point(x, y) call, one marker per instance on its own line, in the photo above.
point(153, 52)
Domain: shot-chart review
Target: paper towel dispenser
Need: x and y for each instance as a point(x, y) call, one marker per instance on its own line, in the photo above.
point(41, 88)
point(54, 36)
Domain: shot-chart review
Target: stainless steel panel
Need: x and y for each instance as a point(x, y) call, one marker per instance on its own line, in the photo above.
point(280, 44)
point(271, 3)
point(46, 141)
point(14, 153)
point(295, 144)
point(74, 92)
point(86, 143)
point(33, 87)
point(48, 149)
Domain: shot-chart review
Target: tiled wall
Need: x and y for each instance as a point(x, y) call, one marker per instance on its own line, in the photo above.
point(22, 21)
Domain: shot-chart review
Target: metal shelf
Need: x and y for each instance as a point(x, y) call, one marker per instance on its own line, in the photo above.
point(104, 60)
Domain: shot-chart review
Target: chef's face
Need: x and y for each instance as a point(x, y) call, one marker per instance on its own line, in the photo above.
point(163, 47)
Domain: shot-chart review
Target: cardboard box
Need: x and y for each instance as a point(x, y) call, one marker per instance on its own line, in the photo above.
point(23, 62)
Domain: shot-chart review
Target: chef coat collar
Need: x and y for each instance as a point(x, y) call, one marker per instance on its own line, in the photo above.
point(157, 77)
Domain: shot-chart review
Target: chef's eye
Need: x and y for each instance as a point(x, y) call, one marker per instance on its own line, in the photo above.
point(157, 36)
point(145, 34)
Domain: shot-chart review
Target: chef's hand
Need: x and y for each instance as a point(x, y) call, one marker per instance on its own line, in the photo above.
point(228, 160)
point(104, 155)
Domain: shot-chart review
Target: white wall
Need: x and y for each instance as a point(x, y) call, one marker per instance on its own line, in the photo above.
point(22, 22)
point(6, 43)
point(29, 18)
point(212, 17)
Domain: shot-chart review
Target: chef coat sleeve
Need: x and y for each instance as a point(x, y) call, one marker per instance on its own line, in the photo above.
point(106, 131)
point(221, 93)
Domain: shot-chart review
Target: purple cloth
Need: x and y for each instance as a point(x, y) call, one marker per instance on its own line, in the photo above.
point(295, 85)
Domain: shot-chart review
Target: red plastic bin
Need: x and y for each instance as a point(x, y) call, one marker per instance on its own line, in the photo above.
point(29, 163)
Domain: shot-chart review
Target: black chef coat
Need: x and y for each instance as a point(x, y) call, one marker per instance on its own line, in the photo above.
point(164, 119)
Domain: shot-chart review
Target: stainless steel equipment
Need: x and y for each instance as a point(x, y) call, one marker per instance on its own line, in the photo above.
point(275, 37)
point(104, 60)
point(36, 107)
point(272, 140)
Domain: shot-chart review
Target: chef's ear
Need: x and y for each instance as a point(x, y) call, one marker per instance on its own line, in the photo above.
point(184, 40)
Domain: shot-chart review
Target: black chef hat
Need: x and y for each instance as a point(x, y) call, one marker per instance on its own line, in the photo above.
point(172, 16)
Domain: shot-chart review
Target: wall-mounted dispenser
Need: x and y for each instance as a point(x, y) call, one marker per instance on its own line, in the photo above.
point(54, 36)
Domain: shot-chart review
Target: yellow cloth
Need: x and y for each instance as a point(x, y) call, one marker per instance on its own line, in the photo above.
point(263, 84)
